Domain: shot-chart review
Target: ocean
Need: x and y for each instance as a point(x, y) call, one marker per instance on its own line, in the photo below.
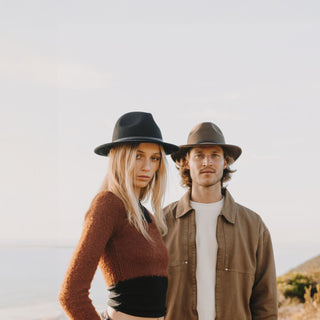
point(30, 279)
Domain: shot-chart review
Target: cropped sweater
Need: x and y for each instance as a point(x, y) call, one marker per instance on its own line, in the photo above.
point(135, 270)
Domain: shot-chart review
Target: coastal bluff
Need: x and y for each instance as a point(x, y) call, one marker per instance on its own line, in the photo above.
point(299, 292)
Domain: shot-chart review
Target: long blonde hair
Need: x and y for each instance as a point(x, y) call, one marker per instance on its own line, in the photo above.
point(120, 178)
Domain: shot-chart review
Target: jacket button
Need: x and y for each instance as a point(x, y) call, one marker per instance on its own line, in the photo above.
point(186, 262)
point(226, 269)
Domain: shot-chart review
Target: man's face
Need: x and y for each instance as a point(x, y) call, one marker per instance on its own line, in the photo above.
point(206, 165)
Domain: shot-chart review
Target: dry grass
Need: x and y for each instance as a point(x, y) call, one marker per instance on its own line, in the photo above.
point(292, 309)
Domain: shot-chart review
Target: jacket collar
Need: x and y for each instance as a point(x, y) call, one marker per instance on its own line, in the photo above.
point(184, 206)
point(228, 210)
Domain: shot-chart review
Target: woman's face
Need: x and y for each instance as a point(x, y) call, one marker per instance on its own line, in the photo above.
point(147, 163)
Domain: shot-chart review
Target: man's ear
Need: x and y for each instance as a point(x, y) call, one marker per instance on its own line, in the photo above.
point(225, 164)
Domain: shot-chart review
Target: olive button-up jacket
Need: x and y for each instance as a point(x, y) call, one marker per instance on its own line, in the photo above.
point(245, 271)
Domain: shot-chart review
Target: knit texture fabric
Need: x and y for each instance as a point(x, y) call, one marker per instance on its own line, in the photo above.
point(122, 253)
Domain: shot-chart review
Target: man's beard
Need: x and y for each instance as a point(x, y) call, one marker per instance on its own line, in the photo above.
point(209, 184)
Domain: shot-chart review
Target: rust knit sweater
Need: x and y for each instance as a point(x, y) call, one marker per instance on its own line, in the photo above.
point(122, 253)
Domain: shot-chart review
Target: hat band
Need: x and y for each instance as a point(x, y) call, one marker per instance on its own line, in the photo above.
point(138, 138)
point(207, 141)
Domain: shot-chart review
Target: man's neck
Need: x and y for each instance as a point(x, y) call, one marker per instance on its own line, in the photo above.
point(206, 194)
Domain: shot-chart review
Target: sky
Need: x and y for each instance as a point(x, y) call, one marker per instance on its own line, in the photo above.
point(70, 69)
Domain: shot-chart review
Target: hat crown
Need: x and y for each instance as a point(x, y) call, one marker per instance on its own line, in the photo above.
point(206, 132)
point(136, 127)
point(136, 124)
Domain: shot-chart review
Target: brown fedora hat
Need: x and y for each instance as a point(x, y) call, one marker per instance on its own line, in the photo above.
point(207, 134)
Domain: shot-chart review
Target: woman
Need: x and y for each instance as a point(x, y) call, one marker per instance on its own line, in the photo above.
point(119, 234)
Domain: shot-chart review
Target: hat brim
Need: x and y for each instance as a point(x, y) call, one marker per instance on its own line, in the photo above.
point(104, 149)
point(232, 150)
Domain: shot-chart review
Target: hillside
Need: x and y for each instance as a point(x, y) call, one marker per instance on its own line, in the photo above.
point(294, 303)
point(312, 265)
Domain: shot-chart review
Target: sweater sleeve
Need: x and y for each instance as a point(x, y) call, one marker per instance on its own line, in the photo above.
point(100, 223)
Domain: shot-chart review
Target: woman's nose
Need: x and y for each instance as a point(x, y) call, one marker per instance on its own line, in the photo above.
point(146, 164)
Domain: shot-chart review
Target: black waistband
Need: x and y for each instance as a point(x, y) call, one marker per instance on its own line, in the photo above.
point(141, 297)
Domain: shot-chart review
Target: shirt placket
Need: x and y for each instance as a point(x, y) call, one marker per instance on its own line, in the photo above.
point(221, 254)
point(192, 248)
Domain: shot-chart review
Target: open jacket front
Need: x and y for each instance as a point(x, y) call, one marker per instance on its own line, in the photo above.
point(245, 272)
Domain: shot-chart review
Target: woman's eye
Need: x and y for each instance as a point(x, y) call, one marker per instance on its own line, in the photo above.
point(156, 159)
point(138, 156)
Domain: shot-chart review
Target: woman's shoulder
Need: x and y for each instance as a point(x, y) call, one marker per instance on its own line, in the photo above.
point(107, 201)
point(108, 196)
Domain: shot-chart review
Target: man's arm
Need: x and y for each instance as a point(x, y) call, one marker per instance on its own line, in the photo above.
point(263, 302)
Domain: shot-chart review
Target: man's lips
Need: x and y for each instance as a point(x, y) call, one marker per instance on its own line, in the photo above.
point(207, 171)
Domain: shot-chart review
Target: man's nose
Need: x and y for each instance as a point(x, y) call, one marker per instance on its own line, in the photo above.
point(207, 160)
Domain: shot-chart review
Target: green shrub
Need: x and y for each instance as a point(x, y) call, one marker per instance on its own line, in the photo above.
point(297, 285)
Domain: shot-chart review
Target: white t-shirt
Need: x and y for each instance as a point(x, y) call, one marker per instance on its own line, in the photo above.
point(206, 223)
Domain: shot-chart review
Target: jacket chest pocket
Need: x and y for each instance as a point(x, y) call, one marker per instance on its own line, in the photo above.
point(179, 241)
point(238, 251)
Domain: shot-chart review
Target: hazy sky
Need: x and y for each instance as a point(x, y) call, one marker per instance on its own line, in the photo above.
point(70, 69)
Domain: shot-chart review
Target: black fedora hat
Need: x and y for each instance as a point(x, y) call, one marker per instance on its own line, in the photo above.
point(207, 134)
point(135, 127)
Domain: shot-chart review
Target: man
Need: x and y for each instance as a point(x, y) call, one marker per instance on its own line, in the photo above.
point(221, 263)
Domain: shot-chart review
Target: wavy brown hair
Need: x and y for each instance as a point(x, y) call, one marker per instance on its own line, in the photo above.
point(186, 180)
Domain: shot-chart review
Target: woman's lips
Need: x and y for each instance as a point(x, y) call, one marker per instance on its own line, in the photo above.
point(145, 178)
